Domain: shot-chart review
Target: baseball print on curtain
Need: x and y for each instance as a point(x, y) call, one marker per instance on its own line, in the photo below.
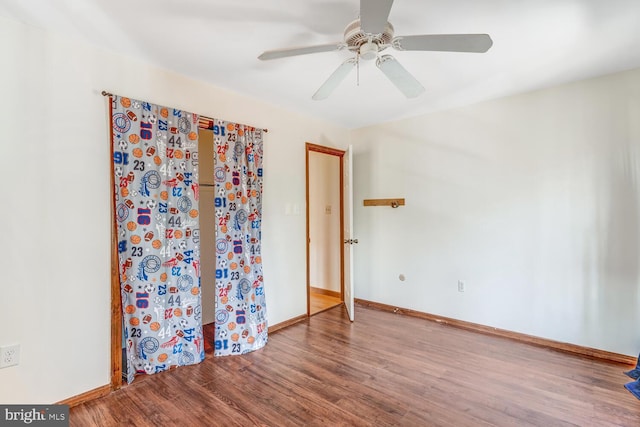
point(156, 202)
point(240, 317)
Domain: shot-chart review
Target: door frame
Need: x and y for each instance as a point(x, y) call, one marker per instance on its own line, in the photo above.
point(310, 147)
point(116, 300)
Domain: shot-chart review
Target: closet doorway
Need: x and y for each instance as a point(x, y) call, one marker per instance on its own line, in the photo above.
point(325, 280)
point(207, 231)
point(207, 256)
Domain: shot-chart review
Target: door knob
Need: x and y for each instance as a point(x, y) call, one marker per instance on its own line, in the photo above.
point(351, 241)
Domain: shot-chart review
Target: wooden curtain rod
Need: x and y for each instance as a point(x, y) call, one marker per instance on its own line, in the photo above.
point(105, 93)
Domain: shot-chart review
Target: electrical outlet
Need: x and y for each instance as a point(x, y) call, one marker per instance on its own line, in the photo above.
point(9, 355)
point(460, 286)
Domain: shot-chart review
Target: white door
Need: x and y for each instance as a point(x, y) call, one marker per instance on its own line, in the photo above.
point(349, 241)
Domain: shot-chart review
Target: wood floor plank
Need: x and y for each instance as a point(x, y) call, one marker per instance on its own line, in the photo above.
point(321, 301)
point(384, 369)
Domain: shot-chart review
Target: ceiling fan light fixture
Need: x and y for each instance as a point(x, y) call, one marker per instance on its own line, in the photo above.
point(368, 51)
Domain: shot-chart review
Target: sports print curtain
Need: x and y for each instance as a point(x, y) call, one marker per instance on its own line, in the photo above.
point(156, 201)
point(241, 324)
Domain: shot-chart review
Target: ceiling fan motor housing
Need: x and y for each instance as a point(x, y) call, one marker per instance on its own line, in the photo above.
point(366, 44)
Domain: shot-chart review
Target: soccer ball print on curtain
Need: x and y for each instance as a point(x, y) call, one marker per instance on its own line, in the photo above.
point(241, 324)
point(156, 201)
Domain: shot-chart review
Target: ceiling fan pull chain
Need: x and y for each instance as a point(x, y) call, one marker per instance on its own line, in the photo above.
point(357, 69)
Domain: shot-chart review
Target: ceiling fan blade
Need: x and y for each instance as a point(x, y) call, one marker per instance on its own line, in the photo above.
point(374, 15)
point(401, 78)
point(334, 79)
point(283, 53)
point(478, 43)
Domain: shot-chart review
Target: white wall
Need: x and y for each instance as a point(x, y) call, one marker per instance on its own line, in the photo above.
point(531, 200)
point(324, 221)
point(55, 202)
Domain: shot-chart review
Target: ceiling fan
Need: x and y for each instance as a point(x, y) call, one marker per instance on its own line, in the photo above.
point(369, 35)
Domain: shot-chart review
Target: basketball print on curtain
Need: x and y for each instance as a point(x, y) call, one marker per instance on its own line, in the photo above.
point(156, 200)
point(240, 317)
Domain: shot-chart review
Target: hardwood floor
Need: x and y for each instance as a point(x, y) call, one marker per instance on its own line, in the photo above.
point(321, 302)
point(383, 369)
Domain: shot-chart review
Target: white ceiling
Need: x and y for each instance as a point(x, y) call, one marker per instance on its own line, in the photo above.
point(537, 43)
